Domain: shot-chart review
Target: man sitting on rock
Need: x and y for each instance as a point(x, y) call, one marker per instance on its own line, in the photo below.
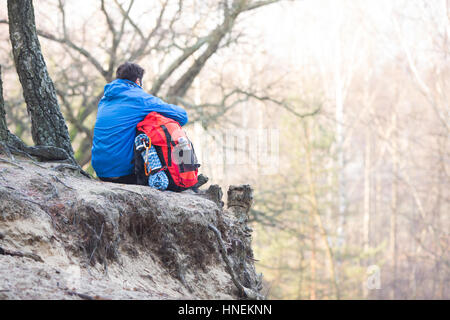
point(123, 106)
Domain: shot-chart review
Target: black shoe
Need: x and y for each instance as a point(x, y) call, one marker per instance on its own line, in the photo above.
point(202, 179)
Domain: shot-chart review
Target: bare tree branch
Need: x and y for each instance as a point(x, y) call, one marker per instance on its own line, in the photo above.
point(75, 47)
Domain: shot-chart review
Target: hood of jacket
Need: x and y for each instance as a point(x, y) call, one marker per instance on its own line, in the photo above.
point(117, 87)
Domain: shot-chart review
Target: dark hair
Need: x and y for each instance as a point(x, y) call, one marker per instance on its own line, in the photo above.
point(130, 71)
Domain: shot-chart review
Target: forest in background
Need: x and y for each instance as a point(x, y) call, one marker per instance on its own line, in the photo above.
point(355, 93)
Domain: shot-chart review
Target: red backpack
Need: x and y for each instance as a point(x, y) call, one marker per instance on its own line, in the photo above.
point(174, 149)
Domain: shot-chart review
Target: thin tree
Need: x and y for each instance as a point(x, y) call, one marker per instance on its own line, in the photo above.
point(315, 214)
point(3, 127)
point(7, 139)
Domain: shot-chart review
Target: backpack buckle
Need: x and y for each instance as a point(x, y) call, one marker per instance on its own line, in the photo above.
point(144, 144)
point(140, 148)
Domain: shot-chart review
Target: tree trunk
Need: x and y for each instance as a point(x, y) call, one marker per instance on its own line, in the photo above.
point(367, 187)
point(394, 208)
point(312, 292)
point(316, 214)
point(366, 214)
point(48, 127)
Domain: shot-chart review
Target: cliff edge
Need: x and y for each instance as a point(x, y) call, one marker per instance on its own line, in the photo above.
point(65, 236)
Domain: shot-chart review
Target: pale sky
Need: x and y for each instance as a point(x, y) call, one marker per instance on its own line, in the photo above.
point(303, 32)
point(296, 30)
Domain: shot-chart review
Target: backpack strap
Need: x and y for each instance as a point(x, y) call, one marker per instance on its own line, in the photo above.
point(170, 143)
point(155, 171)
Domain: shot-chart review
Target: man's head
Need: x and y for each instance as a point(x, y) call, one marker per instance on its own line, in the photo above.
point(130, 71)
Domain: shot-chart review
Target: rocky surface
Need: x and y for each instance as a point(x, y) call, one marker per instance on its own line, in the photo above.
point(64, 236)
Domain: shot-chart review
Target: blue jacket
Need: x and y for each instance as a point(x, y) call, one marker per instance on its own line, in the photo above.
point(123, 106)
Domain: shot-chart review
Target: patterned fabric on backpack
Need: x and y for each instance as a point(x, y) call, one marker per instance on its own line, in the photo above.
point(151, 160)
